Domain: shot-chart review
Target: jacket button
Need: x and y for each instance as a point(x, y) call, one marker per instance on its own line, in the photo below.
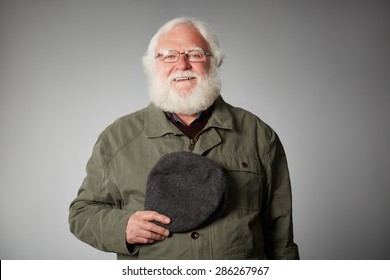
point(194, 235)
point(244, 164)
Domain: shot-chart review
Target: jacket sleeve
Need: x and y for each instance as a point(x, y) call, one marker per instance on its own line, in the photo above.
point(277, 211)
point(95, 215)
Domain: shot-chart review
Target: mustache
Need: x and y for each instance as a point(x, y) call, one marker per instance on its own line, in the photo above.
point(184, 74)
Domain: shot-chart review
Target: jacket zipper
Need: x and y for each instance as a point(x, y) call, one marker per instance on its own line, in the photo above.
point(192, 145)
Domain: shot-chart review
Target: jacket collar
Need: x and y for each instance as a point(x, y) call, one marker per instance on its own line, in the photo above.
point(157, 124)
point(222, 117)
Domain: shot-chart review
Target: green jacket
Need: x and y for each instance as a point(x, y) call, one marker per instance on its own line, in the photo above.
point(258, 222)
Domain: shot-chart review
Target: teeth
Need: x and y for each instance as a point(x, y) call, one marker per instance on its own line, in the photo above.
point(183, 78)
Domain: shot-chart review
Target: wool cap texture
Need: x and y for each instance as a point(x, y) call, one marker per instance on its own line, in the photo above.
point(188, 188)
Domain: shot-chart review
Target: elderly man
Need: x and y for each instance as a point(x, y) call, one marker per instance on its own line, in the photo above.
point(186, 113)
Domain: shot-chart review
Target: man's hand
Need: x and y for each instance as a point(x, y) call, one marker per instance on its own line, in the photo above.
point(140, 229)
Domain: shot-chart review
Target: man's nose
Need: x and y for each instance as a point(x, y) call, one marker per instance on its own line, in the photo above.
point(183, 63)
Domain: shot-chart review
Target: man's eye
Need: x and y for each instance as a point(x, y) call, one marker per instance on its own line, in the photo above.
point(195, 55)
point(170, 56)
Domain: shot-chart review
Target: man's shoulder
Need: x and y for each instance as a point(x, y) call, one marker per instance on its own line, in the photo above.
point(248, 125)
point(133, 119)
point(245, 118)
point(125, 128)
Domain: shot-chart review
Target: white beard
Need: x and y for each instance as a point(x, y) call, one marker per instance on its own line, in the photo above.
point(201, 97)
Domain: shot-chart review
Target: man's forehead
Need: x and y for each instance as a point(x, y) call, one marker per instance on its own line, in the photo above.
point(182, 36)
point(191, 48)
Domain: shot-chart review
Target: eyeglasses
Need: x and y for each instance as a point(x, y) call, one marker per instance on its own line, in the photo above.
point(171, 56)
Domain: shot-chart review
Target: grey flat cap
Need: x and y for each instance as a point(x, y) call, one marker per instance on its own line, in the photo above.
point(188, 188)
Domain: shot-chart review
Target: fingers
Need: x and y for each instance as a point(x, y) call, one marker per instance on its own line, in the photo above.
point(140, 228)
point(153, 216)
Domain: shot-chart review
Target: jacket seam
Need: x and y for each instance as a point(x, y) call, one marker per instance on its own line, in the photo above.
point(127, 142)
point(111, 156)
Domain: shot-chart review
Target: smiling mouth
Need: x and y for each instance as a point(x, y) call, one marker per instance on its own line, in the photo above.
point(183, 79)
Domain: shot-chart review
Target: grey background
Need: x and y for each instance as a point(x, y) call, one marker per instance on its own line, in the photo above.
point(316, 71)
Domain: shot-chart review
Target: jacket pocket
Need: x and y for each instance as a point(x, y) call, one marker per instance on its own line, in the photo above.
point(244, 177)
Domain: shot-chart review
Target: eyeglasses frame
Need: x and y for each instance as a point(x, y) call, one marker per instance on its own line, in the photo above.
point(186, 52)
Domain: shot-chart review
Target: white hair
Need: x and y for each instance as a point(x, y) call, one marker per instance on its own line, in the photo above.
point(204, 30)
point(202, 96)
